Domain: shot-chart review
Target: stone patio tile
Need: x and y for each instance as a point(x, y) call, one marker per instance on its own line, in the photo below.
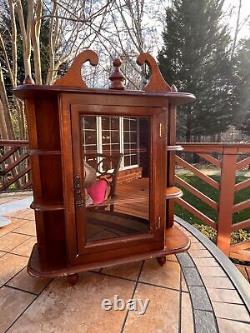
point(29, 228)
point(212, 271)
point(205, 262)
point(10, 264)
point(192, 276)
point(200, 253)
point(167, 275)
point(15, 223)
point(226, 326)
point(193, 239)
point(2, 253)
point(197, 246)
point(187, 322)
point(63, 308)
point(26, 214)
point(162, 314)
point(12, 303)
point(204, 322)
point(185, 260)
point(224, 295)
point(28, 283)
point(200, 298)
point(128, 271)
point(231, 311)
point(217, 282)
point(183, 283)
point(11, 240)
point(4, 200)
point(25, 248)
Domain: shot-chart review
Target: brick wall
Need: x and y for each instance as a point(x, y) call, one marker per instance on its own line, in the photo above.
point(126, 176)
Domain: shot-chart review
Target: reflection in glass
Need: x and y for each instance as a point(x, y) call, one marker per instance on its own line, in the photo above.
point(116, 166)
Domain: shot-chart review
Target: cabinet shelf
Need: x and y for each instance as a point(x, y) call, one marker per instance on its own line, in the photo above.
point(47, 207)
point(173, 192)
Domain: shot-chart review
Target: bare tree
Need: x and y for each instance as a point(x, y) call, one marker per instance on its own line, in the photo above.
point(237, 29)
point(70, 30)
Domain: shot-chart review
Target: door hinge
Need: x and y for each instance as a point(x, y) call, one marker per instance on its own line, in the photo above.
point(77, 191)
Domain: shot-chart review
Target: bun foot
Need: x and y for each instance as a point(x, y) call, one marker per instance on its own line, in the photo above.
point(161, 260)
point(73, 278)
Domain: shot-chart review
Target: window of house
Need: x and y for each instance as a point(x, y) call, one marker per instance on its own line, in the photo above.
point(109, 135)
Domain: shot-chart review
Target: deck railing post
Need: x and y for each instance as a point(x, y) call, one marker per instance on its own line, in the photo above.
point(226, 199)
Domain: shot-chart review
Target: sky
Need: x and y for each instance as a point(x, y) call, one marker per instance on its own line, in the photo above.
point(245, 12)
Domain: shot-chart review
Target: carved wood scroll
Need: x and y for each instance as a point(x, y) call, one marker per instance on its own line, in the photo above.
point(156, 81)
point(73, 77)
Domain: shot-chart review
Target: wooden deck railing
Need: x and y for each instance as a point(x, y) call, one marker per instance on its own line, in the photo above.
point(14, 165)
point(229, 159)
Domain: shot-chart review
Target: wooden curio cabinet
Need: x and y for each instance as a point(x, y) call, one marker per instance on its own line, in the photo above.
point(102, 171)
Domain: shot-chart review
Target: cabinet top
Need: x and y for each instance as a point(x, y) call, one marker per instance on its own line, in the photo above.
point(72, 82)
point(29, 91)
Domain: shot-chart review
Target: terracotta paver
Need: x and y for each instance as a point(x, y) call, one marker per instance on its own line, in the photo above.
point(230, 326)
point(12, 303)
point(206, 262)
point(218, 282)
point(10, 264)
point(161, 312)
point(231, 311)
point(25, 248)
point(165, 276)
point(200, 253)
point(187, 320)
point(197, 246)
point(183, 283)
point(28, 283)
point(62, 308)
point(26, 214)
point(212, 271)
point(224, 295)
point(11, 240)
point(191, 293)
point(15, 223)
point(129, 271)
point(29, 228)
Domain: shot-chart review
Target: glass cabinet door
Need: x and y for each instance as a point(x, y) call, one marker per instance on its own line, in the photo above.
point(114, 173)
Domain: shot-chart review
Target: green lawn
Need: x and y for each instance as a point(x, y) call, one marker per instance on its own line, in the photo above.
point(213, 194)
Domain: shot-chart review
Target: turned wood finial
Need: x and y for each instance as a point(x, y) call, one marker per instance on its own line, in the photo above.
point(117, 77)
point(28, 80)
point(173, 88)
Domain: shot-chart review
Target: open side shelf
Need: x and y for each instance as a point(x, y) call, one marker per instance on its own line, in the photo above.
point(47, 207)
point(176, 241)
point(174, 148)
point(173, 192)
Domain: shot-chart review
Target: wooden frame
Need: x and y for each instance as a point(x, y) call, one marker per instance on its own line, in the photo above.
point(72, 108)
